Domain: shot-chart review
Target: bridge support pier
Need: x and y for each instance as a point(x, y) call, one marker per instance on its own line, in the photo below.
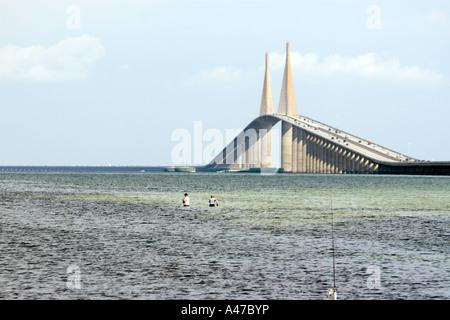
point(305, 152)
point(286, 146)
point(265, 139)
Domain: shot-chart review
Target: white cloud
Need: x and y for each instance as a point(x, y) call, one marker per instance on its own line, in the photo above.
point(220, 74)
point(125, 67)
point(438, 18)
point(69, 59)
point(368, 66)
point(312, 68)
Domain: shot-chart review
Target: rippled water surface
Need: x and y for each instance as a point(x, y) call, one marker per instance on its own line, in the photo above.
point(126, 236)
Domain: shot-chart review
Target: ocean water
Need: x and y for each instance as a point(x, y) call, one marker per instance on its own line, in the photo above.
point(127, 236)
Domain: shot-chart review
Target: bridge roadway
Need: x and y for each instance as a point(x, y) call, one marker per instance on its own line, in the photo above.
point(361, 146)
point(235, 155)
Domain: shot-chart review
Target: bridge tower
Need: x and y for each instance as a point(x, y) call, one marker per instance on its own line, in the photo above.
point(288, 103)
point(288, 106)
point(264, 139)
point(267, 105)
point(254, 146)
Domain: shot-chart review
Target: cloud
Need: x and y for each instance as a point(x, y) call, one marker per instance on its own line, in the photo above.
point(311, 67)
point(125, 67)
point(368, 66)
point(69, 59)
point(438, 18)
point(220, 74)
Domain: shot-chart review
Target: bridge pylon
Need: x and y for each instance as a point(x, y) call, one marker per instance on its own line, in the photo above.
point(288, 106)
point(288, 103)
point(263, 147)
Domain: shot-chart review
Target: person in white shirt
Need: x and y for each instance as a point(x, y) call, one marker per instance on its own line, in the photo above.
point(186, 200)
point(213, 201)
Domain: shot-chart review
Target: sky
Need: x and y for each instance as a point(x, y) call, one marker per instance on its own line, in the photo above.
point(110, 82)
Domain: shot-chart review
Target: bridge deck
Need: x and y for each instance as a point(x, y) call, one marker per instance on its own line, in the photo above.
point(364, 147)
point(373, 158)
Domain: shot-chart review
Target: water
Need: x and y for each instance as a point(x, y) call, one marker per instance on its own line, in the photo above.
point(126, 236)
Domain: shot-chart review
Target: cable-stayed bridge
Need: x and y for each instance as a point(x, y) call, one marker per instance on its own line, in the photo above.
point(309, 146)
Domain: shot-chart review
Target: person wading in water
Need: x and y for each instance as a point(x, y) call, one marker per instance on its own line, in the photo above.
point(186, 200)
point(213, 201)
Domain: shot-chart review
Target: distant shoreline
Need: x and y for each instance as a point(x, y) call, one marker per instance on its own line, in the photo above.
point(428, 168)
point(82, 168)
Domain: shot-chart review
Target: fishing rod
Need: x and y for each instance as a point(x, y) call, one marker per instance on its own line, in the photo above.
point(333, 291)
point(334, 264)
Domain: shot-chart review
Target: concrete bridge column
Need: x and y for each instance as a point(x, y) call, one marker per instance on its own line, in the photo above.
point(313, 154)
point(328, 156)
point(316, 155)
point(320, 154)
point(352, 162)
point(253, 152)
point(361, 164)
point(344, 160)
point(308, 152)
point(317, 139)
point(286, 146)
point(240, 154)
point(324, 156)
point(336, 154)
point(231, 154)
point(371, 167)
point(247, 148)
point(303, 148)
point(349, 162)
point(246, 154)
point(336, 151)
point(265, 140)
point(258, 150)
point(235, 154)
point(294, 149)
point(366, 166)
point(333, 156)
point(300, 144)
point(340, 156)
point(356, 164)
point(375, 167)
